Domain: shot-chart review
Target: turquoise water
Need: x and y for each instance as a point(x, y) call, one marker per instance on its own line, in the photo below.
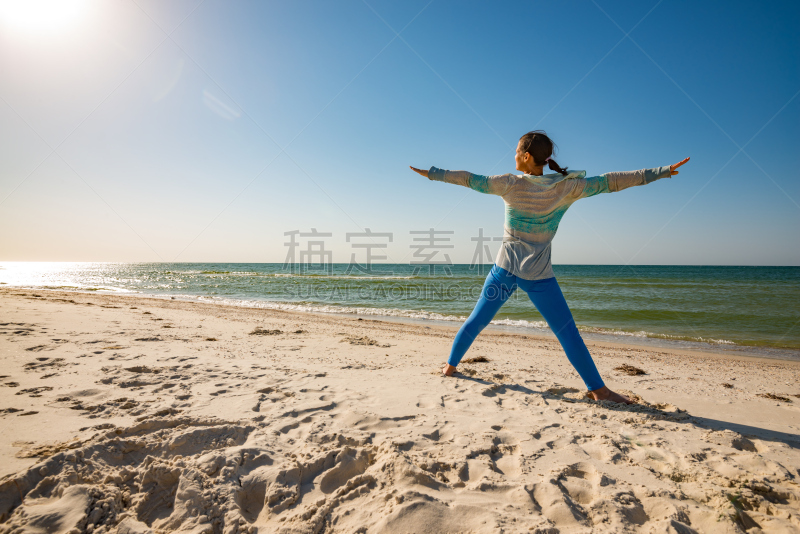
point(722, 306)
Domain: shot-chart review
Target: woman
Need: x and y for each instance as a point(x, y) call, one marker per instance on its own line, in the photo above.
point(535, 203)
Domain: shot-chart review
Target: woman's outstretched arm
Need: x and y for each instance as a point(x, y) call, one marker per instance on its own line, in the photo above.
point(492, 185)
point(617, 181)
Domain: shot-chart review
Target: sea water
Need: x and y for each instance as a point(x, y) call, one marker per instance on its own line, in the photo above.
point(750, 310)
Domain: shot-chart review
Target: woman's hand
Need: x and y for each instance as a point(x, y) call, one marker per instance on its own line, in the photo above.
point(419, 171)
point(672, 171)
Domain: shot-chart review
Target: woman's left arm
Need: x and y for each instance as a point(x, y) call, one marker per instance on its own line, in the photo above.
point(491, 185)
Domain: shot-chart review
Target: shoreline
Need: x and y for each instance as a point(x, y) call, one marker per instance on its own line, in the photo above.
point(649, 342)
point(132, 413)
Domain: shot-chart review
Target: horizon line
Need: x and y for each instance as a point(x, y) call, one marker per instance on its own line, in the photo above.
point(410, 264)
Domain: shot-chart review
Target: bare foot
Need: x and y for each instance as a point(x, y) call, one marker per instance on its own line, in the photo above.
point(448, 370)
point(606, 394)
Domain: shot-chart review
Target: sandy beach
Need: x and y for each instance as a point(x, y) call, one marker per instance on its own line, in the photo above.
point(132, 415)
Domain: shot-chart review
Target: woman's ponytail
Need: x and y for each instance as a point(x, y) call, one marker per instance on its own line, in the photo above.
point(538, 145)
point(554, 167)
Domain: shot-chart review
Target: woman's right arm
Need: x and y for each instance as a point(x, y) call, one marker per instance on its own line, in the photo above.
point(611, 182)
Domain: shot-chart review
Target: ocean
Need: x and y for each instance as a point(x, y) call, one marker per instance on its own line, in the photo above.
point(747, 310)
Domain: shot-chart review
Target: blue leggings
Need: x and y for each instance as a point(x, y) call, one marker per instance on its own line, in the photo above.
point(548, 299)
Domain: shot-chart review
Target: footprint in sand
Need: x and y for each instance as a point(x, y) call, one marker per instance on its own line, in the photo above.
point(16, 329)
point(34, 392)
point(546, 431)
point(44, 363)
point(602, 449)
point(503, 457)
point(319, 483)
point(106, 408)
point(430, 401)
point(272, 395)
point(566, 498)
point(305, 420)
point(143, 369)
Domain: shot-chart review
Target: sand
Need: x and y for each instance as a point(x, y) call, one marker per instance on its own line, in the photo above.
point(132, 415)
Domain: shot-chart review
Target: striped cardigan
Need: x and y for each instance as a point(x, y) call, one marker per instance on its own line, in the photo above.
point(535, 206)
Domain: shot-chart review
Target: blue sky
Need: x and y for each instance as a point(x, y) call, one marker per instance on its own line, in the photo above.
point(202, 131)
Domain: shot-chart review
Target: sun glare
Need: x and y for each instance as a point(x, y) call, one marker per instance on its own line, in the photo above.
point(41, 16)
